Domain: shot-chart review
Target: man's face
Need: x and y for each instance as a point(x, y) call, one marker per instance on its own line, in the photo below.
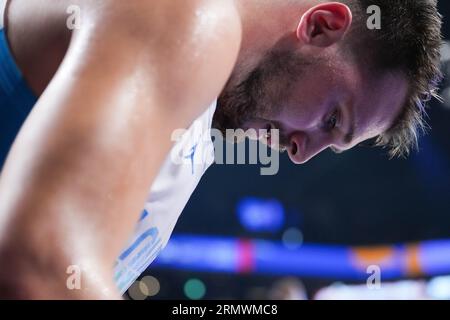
point(316, 103)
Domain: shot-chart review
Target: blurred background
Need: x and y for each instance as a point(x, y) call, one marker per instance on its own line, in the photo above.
point(352, 226)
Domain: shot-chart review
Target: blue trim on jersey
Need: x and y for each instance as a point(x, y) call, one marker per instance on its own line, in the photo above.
point(153, 232)
point(143, 215)
point(16, 98)
point(191, 156)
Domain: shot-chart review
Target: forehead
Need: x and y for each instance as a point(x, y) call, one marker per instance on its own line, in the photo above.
point(378, 101)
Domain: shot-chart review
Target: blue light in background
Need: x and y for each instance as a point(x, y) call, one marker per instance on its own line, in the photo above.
point(260, 215)
point(228, 255)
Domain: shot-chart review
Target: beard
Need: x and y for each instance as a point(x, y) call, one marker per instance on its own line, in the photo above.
point(262, 92)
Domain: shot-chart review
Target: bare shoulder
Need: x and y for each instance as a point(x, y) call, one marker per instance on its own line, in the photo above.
point(162, 24)
point(191, 46)
point(171, 15)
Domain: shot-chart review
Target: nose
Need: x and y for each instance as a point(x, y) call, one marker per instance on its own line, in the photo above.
point(296, 147)
point(303, 147)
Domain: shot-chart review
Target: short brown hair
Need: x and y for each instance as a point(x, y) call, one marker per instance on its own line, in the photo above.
point(409, 41)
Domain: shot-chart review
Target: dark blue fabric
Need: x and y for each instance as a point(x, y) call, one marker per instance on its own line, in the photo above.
point(16, 99)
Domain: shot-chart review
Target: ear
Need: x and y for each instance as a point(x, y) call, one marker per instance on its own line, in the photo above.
point(325, 24)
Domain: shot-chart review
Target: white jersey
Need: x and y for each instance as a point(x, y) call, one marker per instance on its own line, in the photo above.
point(169, 195)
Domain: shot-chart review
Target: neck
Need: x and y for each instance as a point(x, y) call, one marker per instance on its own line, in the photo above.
point(264, 24)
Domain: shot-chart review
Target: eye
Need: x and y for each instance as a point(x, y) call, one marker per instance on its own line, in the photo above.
point(333, 120)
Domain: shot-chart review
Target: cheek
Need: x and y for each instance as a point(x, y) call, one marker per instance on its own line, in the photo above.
point(307, 108)
point(300, 117)
point(310, 97)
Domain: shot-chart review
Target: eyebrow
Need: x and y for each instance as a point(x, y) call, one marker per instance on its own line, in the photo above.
point(348, 139)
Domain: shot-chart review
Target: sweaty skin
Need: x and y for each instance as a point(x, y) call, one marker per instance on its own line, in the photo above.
point(112, 92)
point(110, 95)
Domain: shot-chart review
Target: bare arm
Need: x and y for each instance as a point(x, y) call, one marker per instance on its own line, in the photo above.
point(80, 170)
